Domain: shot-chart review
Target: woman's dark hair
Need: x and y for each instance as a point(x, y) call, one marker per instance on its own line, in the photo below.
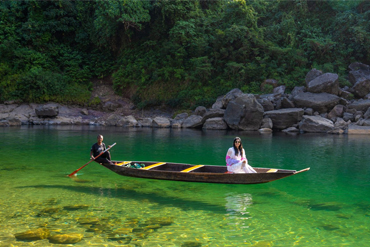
point(240, 146)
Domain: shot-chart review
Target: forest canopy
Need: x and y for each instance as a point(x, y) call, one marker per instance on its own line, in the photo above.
point(180, 53)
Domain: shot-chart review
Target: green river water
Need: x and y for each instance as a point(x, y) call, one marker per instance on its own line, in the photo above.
point(326, 206)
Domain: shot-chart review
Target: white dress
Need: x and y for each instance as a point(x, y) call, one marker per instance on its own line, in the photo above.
point(235, 162)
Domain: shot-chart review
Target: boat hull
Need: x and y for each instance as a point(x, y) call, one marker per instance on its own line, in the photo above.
point(198, 173)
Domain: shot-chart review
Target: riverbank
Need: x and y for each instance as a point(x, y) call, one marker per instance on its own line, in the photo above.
point(319, 107)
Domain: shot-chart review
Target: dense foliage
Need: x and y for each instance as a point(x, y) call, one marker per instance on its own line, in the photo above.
point(181, 53)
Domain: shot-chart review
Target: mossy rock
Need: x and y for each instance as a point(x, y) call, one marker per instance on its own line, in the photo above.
point(70, 238)
point(31, 235)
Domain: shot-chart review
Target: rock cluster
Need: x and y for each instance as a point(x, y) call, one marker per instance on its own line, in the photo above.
point(320, 107)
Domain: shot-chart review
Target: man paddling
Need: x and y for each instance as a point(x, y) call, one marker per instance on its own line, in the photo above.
point(99, 147)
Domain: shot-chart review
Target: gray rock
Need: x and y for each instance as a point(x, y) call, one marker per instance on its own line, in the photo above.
point(193, 121)
point(161, 122)
point(290, 129)
point(346, 94)
point(308, 111)
point(267, 123)
point(336, 112)
point(367, 113)
point(127, 121)
point(286, 103)
point(177, 124)
point(7, 108)
point(321, 102)
point(360, 105)
point(47, 110)
point(265, 83)
point(219, 103)
point(341, 124)
point(355, 129)
point(298, 90)
point(314, 73)
point(279, 90)
point(181, 116)
point(216, 123)
point(114, 120)
point(212, 113)
point(265, 130)
point(84, 112)
point(146, 122)
point(316, 124)
point(348, 116)
point(266, 104)
point(359, 76)
point(233, 94)
point(244, 113)
point(111, 106)
point(326, 83)
point(285, 118)
point(200, 111)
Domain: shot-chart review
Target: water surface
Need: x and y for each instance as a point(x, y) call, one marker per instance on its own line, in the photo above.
point(327, 206)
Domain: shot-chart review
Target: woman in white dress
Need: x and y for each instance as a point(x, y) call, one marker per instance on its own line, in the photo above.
point(235, 158)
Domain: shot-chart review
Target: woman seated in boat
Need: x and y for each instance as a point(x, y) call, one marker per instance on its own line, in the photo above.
point(235, 158)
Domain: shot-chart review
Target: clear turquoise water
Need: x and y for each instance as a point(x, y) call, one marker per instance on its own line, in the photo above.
point(327, 206)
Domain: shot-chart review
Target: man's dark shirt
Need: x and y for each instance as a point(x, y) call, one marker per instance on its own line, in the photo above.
point(97, 149)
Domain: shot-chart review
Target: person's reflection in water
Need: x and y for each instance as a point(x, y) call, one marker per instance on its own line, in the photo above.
point(238, 204)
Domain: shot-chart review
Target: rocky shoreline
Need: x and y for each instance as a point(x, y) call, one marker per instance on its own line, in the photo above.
point(319, 107)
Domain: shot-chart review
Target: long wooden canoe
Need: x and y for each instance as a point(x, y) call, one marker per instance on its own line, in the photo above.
point(197, 173)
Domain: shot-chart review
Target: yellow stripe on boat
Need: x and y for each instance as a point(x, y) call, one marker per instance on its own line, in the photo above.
point(123, 163)
point(152, 166)
point(272, 170)
point(192, 168)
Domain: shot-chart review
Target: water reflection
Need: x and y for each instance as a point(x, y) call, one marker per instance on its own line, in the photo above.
point(237, 204)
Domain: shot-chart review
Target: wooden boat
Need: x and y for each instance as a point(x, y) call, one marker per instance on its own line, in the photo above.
point(197, 173)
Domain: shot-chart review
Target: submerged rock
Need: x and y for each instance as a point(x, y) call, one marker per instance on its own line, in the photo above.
point(163, 221)
point(31, 235)
point(191, 244)
point(70, 238)
point(76, 207)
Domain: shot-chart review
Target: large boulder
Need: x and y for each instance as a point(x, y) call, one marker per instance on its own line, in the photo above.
point(216, 123)
point(359, 76)
point(127, 121)
point(193, 121)
point(47, 110)
point(355, 129)
point(161, 122)
point(360, 105)
point(113, 120)
point(316, 124)
point(321, 102)
point(233, 94)
point(326, 83)
point(284, 118)
point(146, 122)
point(244, 113)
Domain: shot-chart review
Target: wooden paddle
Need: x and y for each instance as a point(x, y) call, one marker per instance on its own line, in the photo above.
point(73, 173)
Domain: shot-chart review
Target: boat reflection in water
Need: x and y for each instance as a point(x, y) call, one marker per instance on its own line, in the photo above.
point(237, 205)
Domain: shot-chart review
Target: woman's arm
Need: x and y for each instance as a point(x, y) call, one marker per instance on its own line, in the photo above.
point(230, 158)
